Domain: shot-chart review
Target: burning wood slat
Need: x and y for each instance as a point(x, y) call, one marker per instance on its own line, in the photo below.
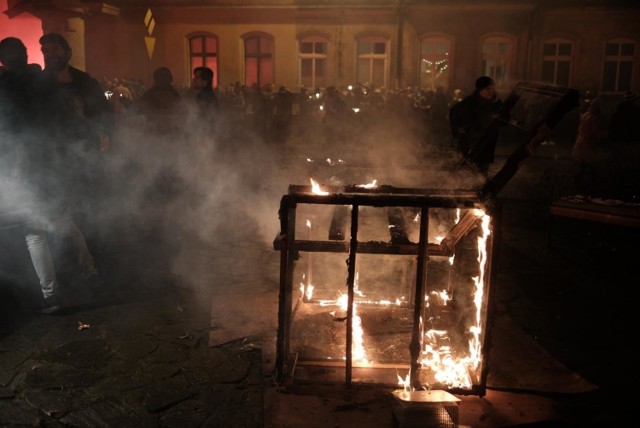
point(463, 227)
point(369, 247)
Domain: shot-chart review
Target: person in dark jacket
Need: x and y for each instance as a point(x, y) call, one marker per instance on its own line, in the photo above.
point(22, 200)
point(159, 104)
point(78, 122)
point(471, 122)
point(205, 97)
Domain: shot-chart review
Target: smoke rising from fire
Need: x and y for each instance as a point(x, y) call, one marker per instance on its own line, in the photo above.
point(220, 186)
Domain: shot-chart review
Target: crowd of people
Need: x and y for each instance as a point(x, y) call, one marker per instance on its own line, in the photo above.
point(273, 113)
point(58, 123)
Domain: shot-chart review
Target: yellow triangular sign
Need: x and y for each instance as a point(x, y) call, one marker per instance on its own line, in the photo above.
point(150, 42)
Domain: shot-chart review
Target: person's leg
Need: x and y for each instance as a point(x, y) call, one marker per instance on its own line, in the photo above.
point(42, 260)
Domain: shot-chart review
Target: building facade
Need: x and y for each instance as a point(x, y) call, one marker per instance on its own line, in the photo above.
point(585, 44)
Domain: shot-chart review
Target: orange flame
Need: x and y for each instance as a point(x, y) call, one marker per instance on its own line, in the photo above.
point(449, 369)
point(315, 188)
point(371, 185)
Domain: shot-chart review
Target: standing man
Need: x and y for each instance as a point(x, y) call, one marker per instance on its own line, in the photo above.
point(79, 117)
point(471, 122)
point(282, 114)
point(22, 170)
point(202, 85)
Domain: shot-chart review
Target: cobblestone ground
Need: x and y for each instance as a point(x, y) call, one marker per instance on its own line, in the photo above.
point(138, 356)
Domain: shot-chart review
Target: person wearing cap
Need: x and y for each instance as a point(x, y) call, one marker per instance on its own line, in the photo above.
point(470, 119)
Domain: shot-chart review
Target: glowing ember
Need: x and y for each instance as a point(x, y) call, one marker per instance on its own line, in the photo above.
point(315, 188)
point(404, 383)
point(83, 326)
point(443, 296)
point(358, 352)
point(332, 162)
point(371, 185)
point(307, 290)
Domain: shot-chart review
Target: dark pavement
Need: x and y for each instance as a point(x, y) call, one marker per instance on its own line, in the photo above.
point(184, 335)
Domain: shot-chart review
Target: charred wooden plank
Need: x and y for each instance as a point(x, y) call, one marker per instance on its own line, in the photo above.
point(397, 228)
point(339, 223)
point(468, 222)
point(369, 247)
point(567, 102)
point(460, 200)
point(381, 190)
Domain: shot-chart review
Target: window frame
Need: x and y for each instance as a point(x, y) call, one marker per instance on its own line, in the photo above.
point(503, 79)
point(205, 54)
point(316, 58)
point(556, 59)
point(435, 58)
point(616, 60)
point(265, 68)
point(372, 58)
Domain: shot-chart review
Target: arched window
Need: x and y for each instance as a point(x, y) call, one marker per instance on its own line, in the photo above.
point(434, 62)
point(497, 57)
point(372, 60)
point(312, 52)
point(203, 51)
point(557, 58)
point(619, 64)
point(258, 59)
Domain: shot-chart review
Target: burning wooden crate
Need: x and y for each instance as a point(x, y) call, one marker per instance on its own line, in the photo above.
point(410, 302)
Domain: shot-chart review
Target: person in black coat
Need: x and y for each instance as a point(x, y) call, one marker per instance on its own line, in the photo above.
point(78, 123)
point(471, 123)
point(205, 96)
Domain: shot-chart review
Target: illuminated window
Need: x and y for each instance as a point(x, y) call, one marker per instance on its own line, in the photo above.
point(372, 60)
point(258, 59)
point(556, 61)
point(618, 65)
point(434, 62)
point(497, 57)
point(203, 51)
point(313, 61)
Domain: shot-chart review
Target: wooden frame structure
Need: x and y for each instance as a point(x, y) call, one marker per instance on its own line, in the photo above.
point(393, 199)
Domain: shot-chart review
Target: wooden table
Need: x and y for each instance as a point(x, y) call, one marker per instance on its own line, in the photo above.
point(606, 211)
